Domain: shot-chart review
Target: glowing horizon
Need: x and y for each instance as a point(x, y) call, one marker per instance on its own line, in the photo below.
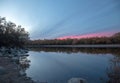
point(100, 34)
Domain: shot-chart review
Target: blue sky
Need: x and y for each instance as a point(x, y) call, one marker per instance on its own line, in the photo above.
point(46, 19)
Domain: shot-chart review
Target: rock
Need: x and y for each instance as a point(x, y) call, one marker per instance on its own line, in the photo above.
point(77, 80)
point(2, 70)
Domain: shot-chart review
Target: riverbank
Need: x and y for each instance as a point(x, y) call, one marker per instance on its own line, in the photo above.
point(13, 64)
point(11, 52)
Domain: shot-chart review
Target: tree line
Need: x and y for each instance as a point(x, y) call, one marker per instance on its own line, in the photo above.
point(114, 39)
point(12, 35)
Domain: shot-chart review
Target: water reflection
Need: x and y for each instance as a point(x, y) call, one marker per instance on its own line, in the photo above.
point(114, 51)
point(112, 68)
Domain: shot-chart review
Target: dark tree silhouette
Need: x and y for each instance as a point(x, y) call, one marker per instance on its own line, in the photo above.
point(12, 35)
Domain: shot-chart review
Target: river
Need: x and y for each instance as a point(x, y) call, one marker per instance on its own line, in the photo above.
point(59, 65)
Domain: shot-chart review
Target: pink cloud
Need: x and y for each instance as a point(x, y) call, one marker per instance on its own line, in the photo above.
point(100, 34)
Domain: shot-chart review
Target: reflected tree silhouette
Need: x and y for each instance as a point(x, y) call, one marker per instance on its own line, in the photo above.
point(114, 70)
point(23, 64)
point(114, 51)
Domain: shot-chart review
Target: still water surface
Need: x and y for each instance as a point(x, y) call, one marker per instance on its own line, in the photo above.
point(60, 66)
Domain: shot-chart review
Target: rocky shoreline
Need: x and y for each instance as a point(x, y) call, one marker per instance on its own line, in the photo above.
point(13, 64)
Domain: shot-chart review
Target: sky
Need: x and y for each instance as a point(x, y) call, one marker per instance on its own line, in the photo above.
point(49, 19)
